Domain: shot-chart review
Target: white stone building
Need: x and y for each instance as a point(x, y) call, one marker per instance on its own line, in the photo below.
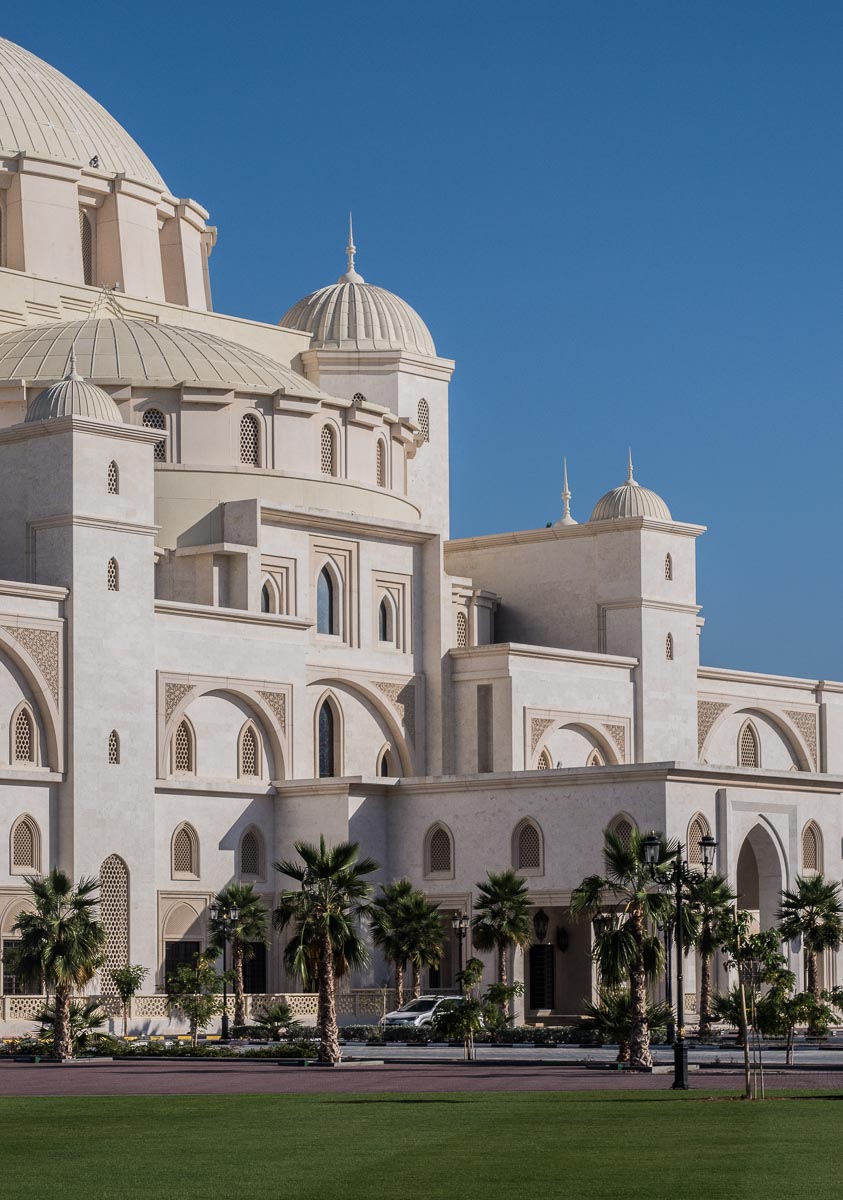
point(231, 615)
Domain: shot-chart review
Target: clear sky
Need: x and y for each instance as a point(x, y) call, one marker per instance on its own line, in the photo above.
point(621, 218)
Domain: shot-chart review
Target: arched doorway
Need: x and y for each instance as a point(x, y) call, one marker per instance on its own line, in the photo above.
point(759, 880)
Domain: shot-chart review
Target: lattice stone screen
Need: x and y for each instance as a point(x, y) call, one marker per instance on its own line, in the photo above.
point(697, 830)
point(249, 753)
point(810, 849)
point(250, 854)
point(424, 419)
point(24, 845)
point(748, 748)
point(183, 853)
point(462, 631)
point(113, 479)
point(623, 832)
point(668, 646)
point(327, 453)
point(113, 748)
point(113, 575)
point(183, 754)
point(114, 914)
point(544, 763)
point(381, 465)
point(668, 567)
point(439, 851)
point(86, 237)
point(249, 442)
point(153, 418)
point(24, 737)
point(529, 849)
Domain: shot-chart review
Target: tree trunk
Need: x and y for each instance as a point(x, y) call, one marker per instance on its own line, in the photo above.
point(416, 980)
point(62, 1045)
point(399, 984)
point(239, 998)
point(502, 973)
point(639, 1034)
point(813, 988)
point(125, 1017)
point(329, 1045)
point(623, 1051)
point(705, 996)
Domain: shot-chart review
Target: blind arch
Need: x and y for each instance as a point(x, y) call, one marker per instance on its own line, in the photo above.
point(439, 852)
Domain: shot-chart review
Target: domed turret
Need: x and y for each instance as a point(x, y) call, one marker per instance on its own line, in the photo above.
point(73, 397)
point(354, 315)
point(630, 500)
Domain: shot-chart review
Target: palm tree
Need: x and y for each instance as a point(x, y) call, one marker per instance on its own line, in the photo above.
point(710, 899)
point(627, 950)
point(420, 923)
point(61, 943)
point(386, 933)
point(814, 912)
point(249, 928)
point(502, 916)
point(610, 1017)
point(325, 908)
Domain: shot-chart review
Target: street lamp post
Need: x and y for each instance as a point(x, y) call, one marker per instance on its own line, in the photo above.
point(667, 929)
point(679, 875)
point(226, 917)
point(459, 923)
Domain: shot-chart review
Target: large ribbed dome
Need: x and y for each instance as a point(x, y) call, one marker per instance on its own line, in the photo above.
point(118, 349)
point(630, 500)
point(42, 112)
point(73, 397)
point(354, 315)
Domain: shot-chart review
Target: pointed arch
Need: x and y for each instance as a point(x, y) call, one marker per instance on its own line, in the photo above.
point(250, 440)
point(387, 620)
point(668, 567)
point(749, 746)
point(329, 601)
point(25, 846)
point(385, 765)
point(528, 847)
point(114, 914)
point(439, 852)
point(114, 748)
point(249, 752)
point(812, 849)
point(544, 763)
point(113, 575)
point(269, 710)
point(184, 852)
point(803, 753)
point(113, 479)
point(251, 855)
point(328, 737)
point(183, 758)
point(25, 747)
point(698, 828)
point(623, 827)
point(271, 599)
point(396, 712)
point(595, 759)
point(44, 689)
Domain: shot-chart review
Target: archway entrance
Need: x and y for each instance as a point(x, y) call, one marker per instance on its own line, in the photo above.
point(759, 879)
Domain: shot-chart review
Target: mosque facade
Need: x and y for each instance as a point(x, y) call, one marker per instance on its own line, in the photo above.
point(232, 617)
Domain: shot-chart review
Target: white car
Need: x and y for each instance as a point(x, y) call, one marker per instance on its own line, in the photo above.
point(417, 1012)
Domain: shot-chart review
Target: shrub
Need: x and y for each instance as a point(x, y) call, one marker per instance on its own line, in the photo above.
point(297, 1049)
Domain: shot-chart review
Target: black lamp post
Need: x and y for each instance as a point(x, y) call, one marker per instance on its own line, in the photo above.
point(459, 924)
point(679, 875)
point(226, 918)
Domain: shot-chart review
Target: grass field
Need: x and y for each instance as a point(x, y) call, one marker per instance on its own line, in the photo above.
point(611, 1146)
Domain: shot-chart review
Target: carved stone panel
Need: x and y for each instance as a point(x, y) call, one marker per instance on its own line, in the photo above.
point(707, 713)
point(42, 645)
point(806, 723)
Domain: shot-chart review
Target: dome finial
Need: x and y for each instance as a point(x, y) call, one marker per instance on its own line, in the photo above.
point(351, 276)
point(72, 373)
point(566, 518)
point(629, 477)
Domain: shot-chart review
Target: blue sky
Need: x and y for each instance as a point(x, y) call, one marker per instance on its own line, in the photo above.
point(622, 220)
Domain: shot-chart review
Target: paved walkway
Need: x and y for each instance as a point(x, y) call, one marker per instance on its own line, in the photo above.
point(151, 1078)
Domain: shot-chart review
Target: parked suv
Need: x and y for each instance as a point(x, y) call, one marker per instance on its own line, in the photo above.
point(417, 1012)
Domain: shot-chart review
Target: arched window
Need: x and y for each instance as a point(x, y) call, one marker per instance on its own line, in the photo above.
point(386, 621)
point(251, 854)
point(153, 418)
point(386, 767)
point(595, 759)
point(326, 732)
point(668, 567)
point(749, 754)
point(697, 830)
point(326, 603)
point(462, 629)
point(544, 763)
point(358, 398)
point(266, 599)
point(113, 479)
point(114, 914)
point(250, 441)
point(86, 237)
point(24, 745)
point(113, 575)
point(623, 828)
point(185, 853)
point(380, 464)
point(24, 846)
point(668, 647)
point(527, 848)
point(249, 762)
point(439, 853)
point(424, 420)
point(812, 856)
point(328, 450)
point(184, 745)
point(114, 747)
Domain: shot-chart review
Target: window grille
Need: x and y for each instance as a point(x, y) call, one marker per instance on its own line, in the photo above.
point(250, 446)
point(697, 830)
point(113, 575)
point(250, 854)
point(183, 755)
point(529, 848)
point(114, 747)
point(328, 452)
point(153, 418)
point(544, 761)
point(326, 741)
point(623, 830)
point(381, 464)
point(424, 420)
point(668, 647)
point(25, 846)
point(811, 848)
point(24, 738)
point(359, 398)
point(668, 567)
point(249, 753)
point(184, 852)
point(462, 630)
point(439, 852)
point(113, 479)
point(748, 755)
point(86, 236)
point(114, 914)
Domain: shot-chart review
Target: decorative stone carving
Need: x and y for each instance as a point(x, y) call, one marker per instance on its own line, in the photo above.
point(538, 727)
point(174, 693)
point(806, 723)
point(277, 701)
point(402, 696)
point(42, 645)
point(618, 735)
point(707, 713)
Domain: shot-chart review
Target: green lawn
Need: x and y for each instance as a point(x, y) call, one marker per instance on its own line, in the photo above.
point(535, 1146)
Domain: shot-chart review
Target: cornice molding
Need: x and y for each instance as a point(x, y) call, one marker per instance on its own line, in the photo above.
point(726, 675)
point(239, 616)
point(33, 591)
point(32, 429)
point(519, 650)
point(65, 519)
point(384, 528)
point(586, 529)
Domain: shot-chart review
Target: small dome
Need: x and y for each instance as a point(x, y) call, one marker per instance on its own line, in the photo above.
point(354, 315)
point(73, 397)
point(630, 500)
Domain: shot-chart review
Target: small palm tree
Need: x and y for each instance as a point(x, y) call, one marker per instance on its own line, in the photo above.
point(85, 1019)
point(627, 950)
point(502, 916)
point(325, 910)
point(249, 928)
point(386, 932)
point(276, 1020)
point(610, 1016)
point(61, 943)
point(813, 910)
point(710, 900)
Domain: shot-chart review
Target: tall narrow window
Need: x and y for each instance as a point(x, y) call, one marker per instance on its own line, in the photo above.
point(114, 915)
point(113, 479)
point(595, 759)
point(25, 846)
point(527, 847)
point(250, 854)
point(380, 464)
point(326, 621)
point(185, 853)
point(184, 762)
point(249, 760)
point(697, 830)
point(153, 418)
point(326, 728)
point(24, 747)
point(386, 622)
point(668, 647)
point(439, 852)
point(328, 451)
point(86, 236)
point(266, 599)
point(668, 567)
point(250, 444)
point(113, 575)
point(424, 420)
point(748, 749)
point(623, 829)
point(811, 850)
point(114, 748)
point(544, 763)
point(462, 630)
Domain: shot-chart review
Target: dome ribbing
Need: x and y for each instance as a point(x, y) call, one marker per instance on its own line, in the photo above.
point(630, 500)
point(73, 397)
